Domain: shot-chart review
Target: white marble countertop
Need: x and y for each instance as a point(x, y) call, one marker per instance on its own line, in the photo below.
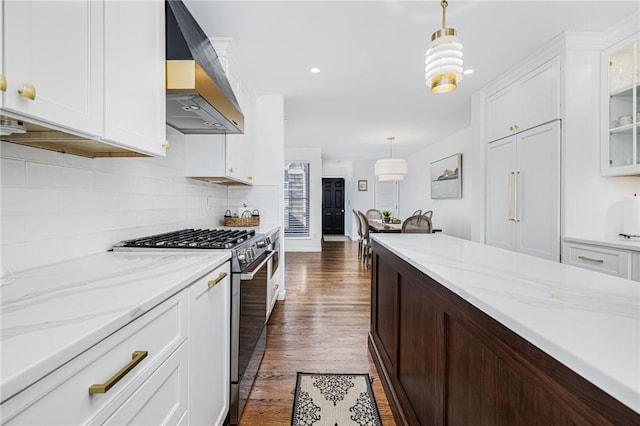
point(615, 242)
point(588, 321)
point(52, 313)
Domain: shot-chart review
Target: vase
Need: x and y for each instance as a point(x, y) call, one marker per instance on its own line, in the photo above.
point(386, 219)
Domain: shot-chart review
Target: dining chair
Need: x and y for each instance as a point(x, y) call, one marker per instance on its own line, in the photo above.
point(417, 212)
point(359, 229)
point(419, 224)
point(428, 213)
point(366, 242)
point(374, 214)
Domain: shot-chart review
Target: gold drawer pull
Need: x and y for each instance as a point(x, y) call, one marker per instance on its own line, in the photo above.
point(231, 170)
point(166, 145)
point(136, 358)
point(590, 259)
point(28, 91)
point(3, 83)
point(221, 277)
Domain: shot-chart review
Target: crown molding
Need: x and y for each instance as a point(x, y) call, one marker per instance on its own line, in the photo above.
point(626, 28)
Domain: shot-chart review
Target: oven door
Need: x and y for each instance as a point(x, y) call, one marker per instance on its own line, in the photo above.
point(248, 330)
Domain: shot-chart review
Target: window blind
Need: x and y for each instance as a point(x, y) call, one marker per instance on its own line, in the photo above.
point(296, 200)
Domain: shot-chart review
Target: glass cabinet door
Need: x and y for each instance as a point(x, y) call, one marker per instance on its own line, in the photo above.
point(623, 81)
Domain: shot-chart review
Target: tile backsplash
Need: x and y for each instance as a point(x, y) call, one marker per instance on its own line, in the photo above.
point(58, 206)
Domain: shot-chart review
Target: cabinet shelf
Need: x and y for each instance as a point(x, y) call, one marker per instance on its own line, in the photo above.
point(626, 129)
point(623, 92)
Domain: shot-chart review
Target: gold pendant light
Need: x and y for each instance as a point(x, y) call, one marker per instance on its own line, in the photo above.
point(443, 60)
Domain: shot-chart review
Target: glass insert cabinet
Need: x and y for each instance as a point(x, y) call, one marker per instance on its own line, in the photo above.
point(621, 114)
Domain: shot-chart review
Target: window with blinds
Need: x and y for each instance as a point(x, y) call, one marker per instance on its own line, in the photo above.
point(296, 200)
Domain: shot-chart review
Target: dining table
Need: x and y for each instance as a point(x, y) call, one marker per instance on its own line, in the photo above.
point(379, 226)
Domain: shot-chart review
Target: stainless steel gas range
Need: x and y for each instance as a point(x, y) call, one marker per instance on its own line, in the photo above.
point(250, 255)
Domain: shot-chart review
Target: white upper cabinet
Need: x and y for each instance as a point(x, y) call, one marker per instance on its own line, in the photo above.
point(621, 109)
point(53, 62)
point(532, 100)
point(226, 158)
point(93, 69)
point(217, 158)
point(135, 75)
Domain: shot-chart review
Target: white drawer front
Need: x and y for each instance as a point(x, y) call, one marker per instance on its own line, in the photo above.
point(161, 400)
point(62, 397)
point(601, 259)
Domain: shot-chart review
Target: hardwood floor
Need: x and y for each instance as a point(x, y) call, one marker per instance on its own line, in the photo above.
point(321, 327)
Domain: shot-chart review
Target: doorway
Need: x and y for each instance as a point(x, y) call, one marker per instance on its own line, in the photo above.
point(333, 206)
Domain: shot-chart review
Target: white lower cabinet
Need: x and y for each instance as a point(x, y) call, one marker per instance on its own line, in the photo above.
point(180, 370)
point(608, 260)
point(161, 400)
point(63, 397)
point(209, 347)
point(635, 266)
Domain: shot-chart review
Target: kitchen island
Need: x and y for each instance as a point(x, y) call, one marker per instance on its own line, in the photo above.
point(464, 333)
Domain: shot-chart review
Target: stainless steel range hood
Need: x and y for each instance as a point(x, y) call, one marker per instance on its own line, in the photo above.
point(199, 96)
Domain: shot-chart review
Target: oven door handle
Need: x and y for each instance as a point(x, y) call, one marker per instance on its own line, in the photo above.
point(248, 276)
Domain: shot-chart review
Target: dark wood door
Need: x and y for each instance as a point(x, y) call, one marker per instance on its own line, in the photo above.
point(333, 206)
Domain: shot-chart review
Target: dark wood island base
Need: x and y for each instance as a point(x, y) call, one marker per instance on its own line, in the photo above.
point(444, 362)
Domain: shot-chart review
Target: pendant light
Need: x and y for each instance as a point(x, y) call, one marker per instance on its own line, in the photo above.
point(391, 169)
point(443, 60)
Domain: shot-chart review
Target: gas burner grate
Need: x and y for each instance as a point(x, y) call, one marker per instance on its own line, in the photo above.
point(194, 239)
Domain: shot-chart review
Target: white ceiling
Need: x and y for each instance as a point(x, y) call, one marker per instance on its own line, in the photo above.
point(371, 56)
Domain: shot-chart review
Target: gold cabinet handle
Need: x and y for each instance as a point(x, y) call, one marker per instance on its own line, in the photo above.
point(28, 91)
point(510, 215)
point(221, 277)
point(515, 197)
point(166, 145)
point(3, 83)
point(516, 127)
point(511, 128)
point(590, 259)
point(136, 358)
point(230, 169)
point(250, 177)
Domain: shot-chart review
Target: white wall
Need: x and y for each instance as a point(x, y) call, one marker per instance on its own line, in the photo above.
point(342, 169)
point(314, 157)
point(362, 200)
point(58, 206)
point(453, 216)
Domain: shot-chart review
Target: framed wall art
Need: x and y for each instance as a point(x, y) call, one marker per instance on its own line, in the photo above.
point(363, 185)
point(446, 177)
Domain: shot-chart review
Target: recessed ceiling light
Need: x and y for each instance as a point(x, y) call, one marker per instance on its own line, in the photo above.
point(468, 71)
point(315, 70)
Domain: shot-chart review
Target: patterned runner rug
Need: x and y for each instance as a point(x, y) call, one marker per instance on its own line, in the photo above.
point(334, 400)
